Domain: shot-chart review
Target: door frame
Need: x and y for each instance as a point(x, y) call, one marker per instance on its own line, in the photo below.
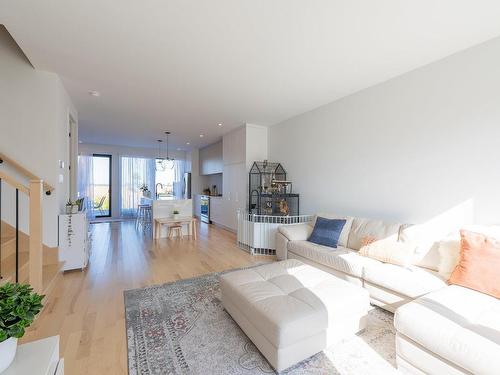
point(110, 158)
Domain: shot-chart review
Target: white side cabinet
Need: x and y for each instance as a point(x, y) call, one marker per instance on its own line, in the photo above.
point(74, 246)
point(37, 358)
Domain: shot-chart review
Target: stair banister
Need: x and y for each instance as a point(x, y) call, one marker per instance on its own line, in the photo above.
point(35, 195)
point(35, 241)
point(24, 171)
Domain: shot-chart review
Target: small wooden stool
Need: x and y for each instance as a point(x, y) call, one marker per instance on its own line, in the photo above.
point(176, 229)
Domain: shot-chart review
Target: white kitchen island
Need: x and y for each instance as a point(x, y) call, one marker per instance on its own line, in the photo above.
point(164, 208)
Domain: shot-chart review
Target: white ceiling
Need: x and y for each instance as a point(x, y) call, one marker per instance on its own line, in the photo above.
point(187, 65)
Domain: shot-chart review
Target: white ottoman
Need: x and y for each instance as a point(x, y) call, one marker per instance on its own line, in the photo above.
point(291, 310)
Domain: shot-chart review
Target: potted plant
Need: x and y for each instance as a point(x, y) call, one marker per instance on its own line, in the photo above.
point(175, 214)
point(145, 191)
point(18, 307)
point(69, 207)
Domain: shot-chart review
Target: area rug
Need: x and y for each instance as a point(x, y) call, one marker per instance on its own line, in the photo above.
point(182, 328)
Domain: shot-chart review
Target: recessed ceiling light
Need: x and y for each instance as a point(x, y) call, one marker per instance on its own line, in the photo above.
point(220, 124)
point(178, 148)
point(202, 135)
point(80, 141)
point(94, 93)
point(188, 143)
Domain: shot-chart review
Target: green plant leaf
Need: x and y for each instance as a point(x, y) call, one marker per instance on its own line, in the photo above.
point(19, 306)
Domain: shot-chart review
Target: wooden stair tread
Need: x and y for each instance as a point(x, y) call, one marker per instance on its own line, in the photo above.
point(6, 239)
point(6, 279)
point(9, 266)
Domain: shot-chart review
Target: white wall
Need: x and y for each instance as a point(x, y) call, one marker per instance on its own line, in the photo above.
point(34, 121)
point(116, 153)
point(407, 149)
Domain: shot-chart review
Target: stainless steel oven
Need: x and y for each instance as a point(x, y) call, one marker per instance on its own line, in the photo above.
point(205, 208)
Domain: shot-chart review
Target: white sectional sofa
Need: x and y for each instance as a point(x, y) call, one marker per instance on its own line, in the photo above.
point(441, 329)
point(389, 285)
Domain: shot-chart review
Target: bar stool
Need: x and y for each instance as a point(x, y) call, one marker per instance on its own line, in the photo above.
point(175, 228)
point(144, 216)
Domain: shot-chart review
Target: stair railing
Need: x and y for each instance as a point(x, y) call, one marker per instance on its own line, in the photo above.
point(34, 192)
point(24, 171)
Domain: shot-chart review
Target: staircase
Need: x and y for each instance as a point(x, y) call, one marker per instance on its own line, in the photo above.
point(24, 258)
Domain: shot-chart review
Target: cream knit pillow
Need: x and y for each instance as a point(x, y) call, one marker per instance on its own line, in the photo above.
point(449, 255)
point(390, 251)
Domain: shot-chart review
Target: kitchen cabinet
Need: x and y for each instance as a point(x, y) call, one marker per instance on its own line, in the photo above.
point(210, 159)
point(217, 212)
point(234, 192)
point(196, 205)
point(233, 146)
point(238, 148)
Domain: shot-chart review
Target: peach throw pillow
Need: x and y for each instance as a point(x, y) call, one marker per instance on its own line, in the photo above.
point(479, 263)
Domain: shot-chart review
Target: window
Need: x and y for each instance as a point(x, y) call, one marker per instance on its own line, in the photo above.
point(135, 172)
point(102, 185)
point(164, 183)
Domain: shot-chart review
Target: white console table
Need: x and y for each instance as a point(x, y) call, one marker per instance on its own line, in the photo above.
point(37, 358)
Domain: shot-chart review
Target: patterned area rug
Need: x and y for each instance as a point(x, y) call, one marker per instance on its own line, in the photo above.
point(181, 328)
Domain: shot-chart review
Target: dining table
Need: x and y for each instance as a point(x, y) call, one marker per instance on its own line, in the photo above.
point(190, 221)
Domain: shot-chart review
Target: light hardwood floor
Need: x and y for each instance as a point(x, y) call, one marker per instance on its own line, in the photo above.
point(86, 308)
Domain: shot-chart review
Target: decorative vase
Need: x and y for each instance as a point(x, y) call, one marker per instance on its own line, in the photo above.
point(74, 209)
point(147, 194)
point(8, 350)
point(175, 216)
point(69, 210)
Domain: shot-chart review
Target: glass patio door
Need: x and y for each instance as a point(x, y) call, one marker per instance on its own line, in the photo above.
point(102, 185)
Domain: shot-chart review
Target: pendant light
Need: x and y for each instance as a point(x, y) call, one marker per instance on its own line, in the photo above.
point(169, 162)
point(160, 162)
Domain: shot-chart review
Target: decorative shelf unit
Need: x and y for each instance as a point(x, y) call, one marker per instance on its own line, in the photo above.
point(74, 244)
point(269, 191)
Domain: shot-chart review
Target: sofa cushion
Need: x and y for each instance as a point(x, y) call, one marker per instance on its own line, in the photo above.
point(296, 232)
point(340, 259)
point(364, 231)
point(344, 235)
point(479, 263)
point(411, 282)
point(389, 251)
point(458, 324)
point(327, 231)
point(449, 255)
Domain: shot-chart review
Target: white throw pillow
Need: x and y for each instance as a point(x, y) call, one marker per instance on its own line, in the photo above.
point(449, 255)
point(390, 251)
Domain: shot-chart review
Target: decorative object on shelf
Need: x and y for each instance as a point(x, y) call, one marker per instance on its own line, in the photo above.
point(270, 193)
point(206, 191)
point(164, 163)
point(71, 207)
point(175, 214)
point(79, 202)
point(214, 190)
point(69, 231)
point(284, 210)
point(145, 191)
point(18, 307)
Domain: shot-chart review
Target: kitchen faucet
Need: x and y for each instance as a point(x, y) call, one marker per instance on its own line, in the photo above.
point(156, 188)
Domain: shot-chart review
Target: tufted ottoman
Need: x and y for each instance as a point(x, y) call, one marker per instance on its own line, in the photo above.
point(292, 311)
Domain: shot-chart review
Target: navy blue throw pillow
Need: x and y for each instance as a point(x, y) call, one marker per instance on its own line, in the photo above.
point(326, 232)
